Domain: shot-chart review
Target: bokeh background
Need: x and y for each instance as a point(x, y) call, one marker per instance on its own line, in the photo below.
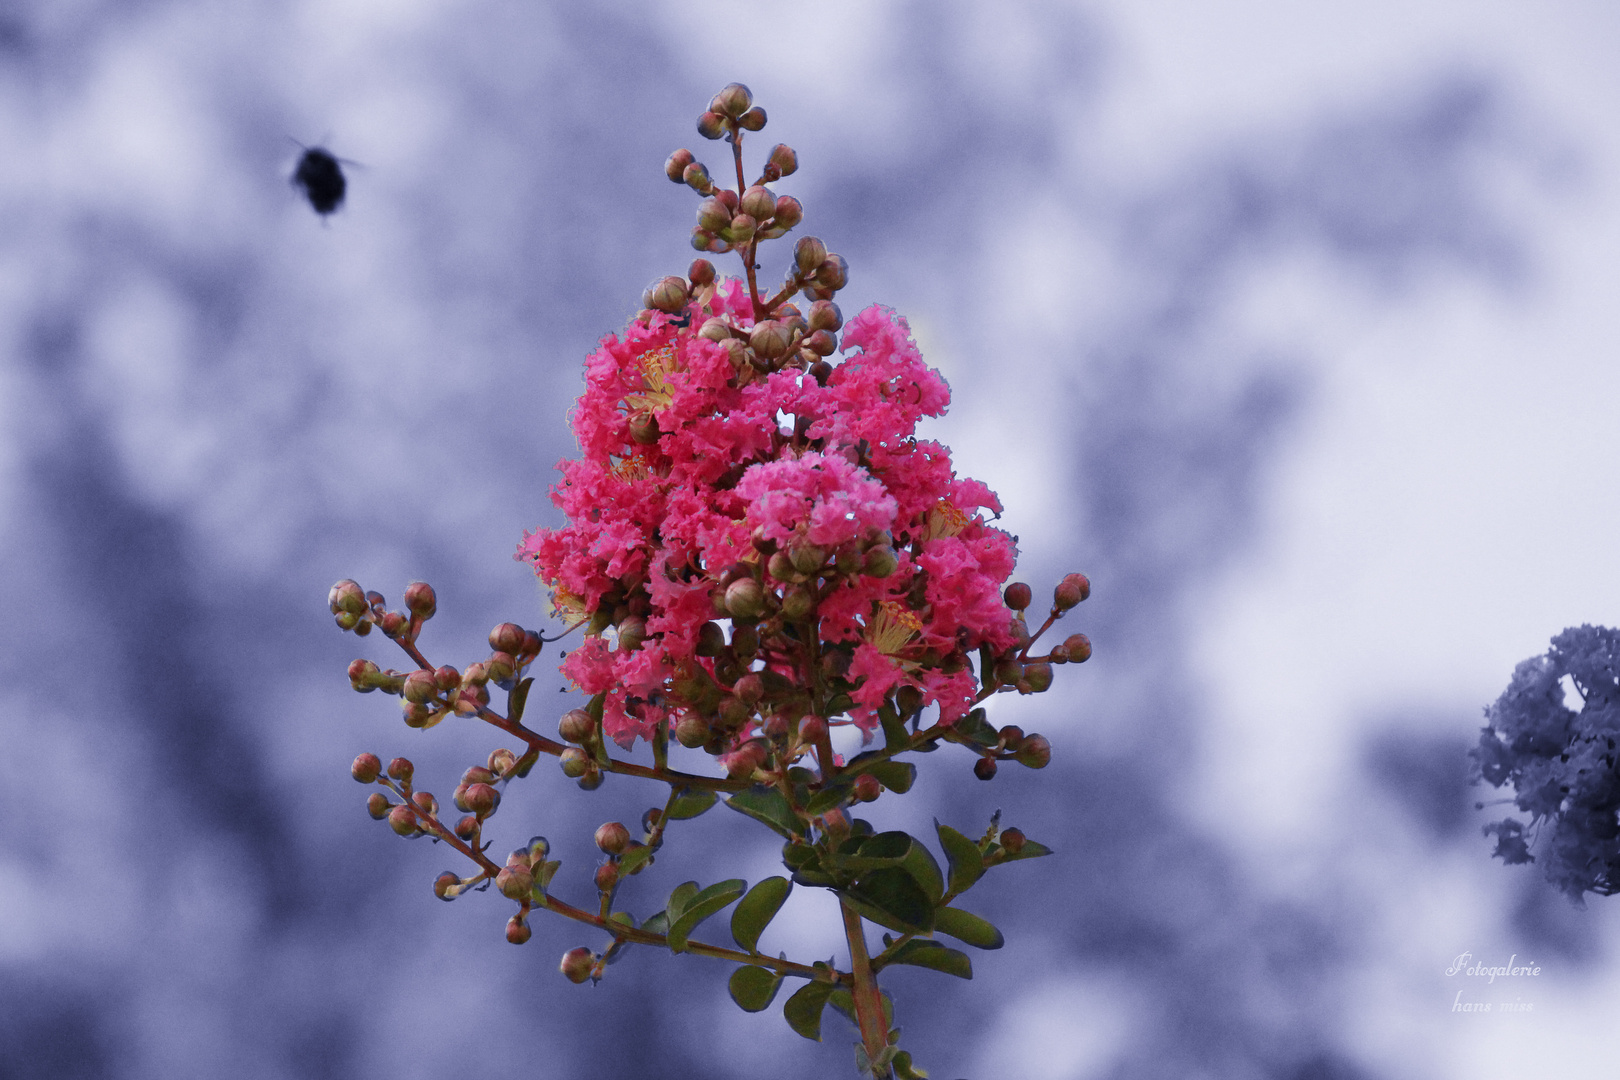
point(1291, 325)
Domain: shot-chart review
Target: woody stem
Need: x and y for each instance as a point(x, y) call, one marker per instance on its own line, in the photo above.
point(864, 991)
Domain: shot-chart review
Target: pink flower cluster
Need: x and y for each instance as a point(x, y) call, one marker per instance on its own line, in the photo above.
point(688, 478)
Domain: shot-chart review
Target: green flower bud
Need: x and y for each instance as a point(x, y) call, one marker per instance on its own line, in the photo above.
point(402, 819)
point(1012, 840)
point(824, 315)
point(881, 561)
point(347, 596)
point(675, 167)
point(361, 674)
point(576, 964)
point(696, 177)
point(715, 330)
point(711, 640)
point(833, 273)
point(711, 125)
point(752, 120)
point(732, 101)
point(515, 882)
point(985, 768)
point(821, 343)
point(420, 687)
point(377, 805)
point(812, 729)
point(1018, 596)
point(482, 799)
point(1079, 648)
point(785, 160)
point(401, 770)
point(701, 240)
point(1039, 677)
point(797, 603)
point(612, 837)
point(667, 294)
point(808, 254)
point(477, 774)
point(467, 827)
point(420, 600)
point(741, 230)
point(447, 678)
point(713, 215)
point(576, 726)
point(745, 600)
point(501, 761)
point(780, 567)
point(758, 202)
point(366, 768)
point(607, 877)
point(867, 788)
point(1071, 591)
point(575, 762)
point(789, 212)
point(807, 558)
point(591, 780)
point(700, 273)
point(517, 930)
point(744, 642)
point(1035, 752)
point(447, 885)
point(692, 731)
point(426, 803)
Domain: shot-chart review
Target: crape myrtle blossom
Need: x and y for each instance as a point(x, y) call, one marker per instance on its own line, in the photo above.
point(685, 474)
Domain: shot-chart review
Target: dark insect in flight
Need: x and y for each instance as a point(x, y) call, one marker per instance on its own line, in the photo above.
point(321, 178)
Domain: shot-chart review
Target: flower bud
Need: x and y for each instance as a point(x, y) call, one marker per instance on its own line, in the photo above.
point(711, 640)
point(501, 667)
point(789, 212)
point(1039, 677)
point(612, 837)
point(798, 602)
point(744, 642)
point(501, 761)
point(692, 731)
point(508, 638)
point(696, 177)
point(420, 687)
point(711, 125)
point(701, 240)
point(812, 729)
point(675, 166)
point(632, 633)
point(833, 273)
point(426, 803)
point(402, 819)
point(347, 596)
point(985, 768)
point(745, 599)
point(752, 120)
point(514, 882)
point(667, 294)
point(416, 715)
point(377, 805)
point(447, 678)
point(821, 343)
point(467, 827)
point(824, 315)
point(1035, 752)
point(867, 788)
point(715, 330)
point(420, 600)
point(1073, 589)
point(394, 624)
point(807, 558)
point(591, 780)
point(808, 254)
point(360, 673)
point(733, 101)
point(607, 877)
point(713, 215)
point(1011, 736)
point(446, 885)
point(477, 774)
point(349, 621)
point(576, 726)
point(741, 762)
point(1018, 596)
point(575, 762)
point(749, 689)
point(785, 160)
point(1079, 648)
point(644, 432)
point(401, 769)
point(881, 561)
point(758, 202)
point(366, 768)
point(481, 799)
point(517, 930)
point(780, 567)
point(742, 229)
point(1009, 671)
point(1012, 840)
point(700, 273)
point(576, 964)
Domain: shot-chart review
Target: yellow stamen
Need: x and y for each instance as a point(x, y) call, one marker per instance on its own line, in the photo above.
point(657, 365)
point(893, 628)
point(944, 520)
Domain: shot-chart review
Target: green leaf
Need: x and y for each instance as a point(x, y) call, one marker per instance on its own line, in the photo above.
point(967, 861)
point(828, 798)
point(679, 897)
point(754, 988)
point(516, 698)
point(768, 805)
point(690, 803)
point(891, 897)
point(632, 859)
point(974, 728)
point(701, 906)
point(755, 913)
point(1030, 850)
point(931, 954)
point(905, 1070)
point(968, 928)
point(861, 855)
point(924, 870)
point(548, 870)
point(657, 924)
point(897, 776)
point(803, 1010)
point(895, 735)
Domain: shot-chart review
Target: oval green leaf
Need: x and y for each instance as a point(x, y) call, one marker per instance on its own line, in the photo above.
point(968, 928)
point(803, 1010)
point(967, 861)
point(516, 698)
point(756, 911)
point(679, 897)
point(931, 954)
point(897, 776)
point(701, 906)
point(754, 988)
point(690, 803)
point(767, 805)
point(891, 897)
point(1030, 850)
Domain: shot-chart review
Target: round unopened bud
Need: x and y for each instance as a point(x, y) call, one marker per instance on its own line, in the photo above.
point(514, 882)
point(711, 125)
point(867, 788)
point(808, 254)
point(1011, 736)
point(780, 567)
point(789, 212)
point(420, 687)
point(467, 827)
point(416, 715)
point(742, 229)
point(517, 930)
point(696, 177)
point(821, 343)
point(752, 120)
point(881, 561)
point(1079, 647)
point(1034, 752)
point(607, 877)
point(477, 774)
point(1012, 840)
point(908, 700)
point(347, 596)
point(349, 621)
point(758, 202)
point(985, 768)
point(377, 805)
point(745, 599)
point(508, 638)
point(750, 688)
point(715, 330)
point(700, 273)
point(1018, 596)
point(1009, 671)
point(713, 215)
point(741, 762)
point(711, 640)
point(394, 624)
point(1039, 677)
point(807, 558)
point(447, 678)
point(576, 964)
point(402, 819)
point(824, 315)
point(401, 769)
point(632, 633)
point(366, 768)
point(798, 602)
point(785, 160)
point(1073, 589)
point(612, 837)
point(481, 799)
point(733, 101)
point(812, 729)
point(833, 273)
point(667, 294)
point(446, 885)
point(591, 780)
point(675, 165)
point(744, 642)
point(643, 430)
point(501, 667)
point(576, 726)
point(575, 762)
point(501, 761)
point(420, 599)
point(692, 731)
point(360, 672)
point(426, 803)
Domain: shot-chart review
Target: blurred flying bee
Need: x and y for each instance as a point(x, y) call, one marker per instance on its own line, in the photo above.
point(320, 176)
